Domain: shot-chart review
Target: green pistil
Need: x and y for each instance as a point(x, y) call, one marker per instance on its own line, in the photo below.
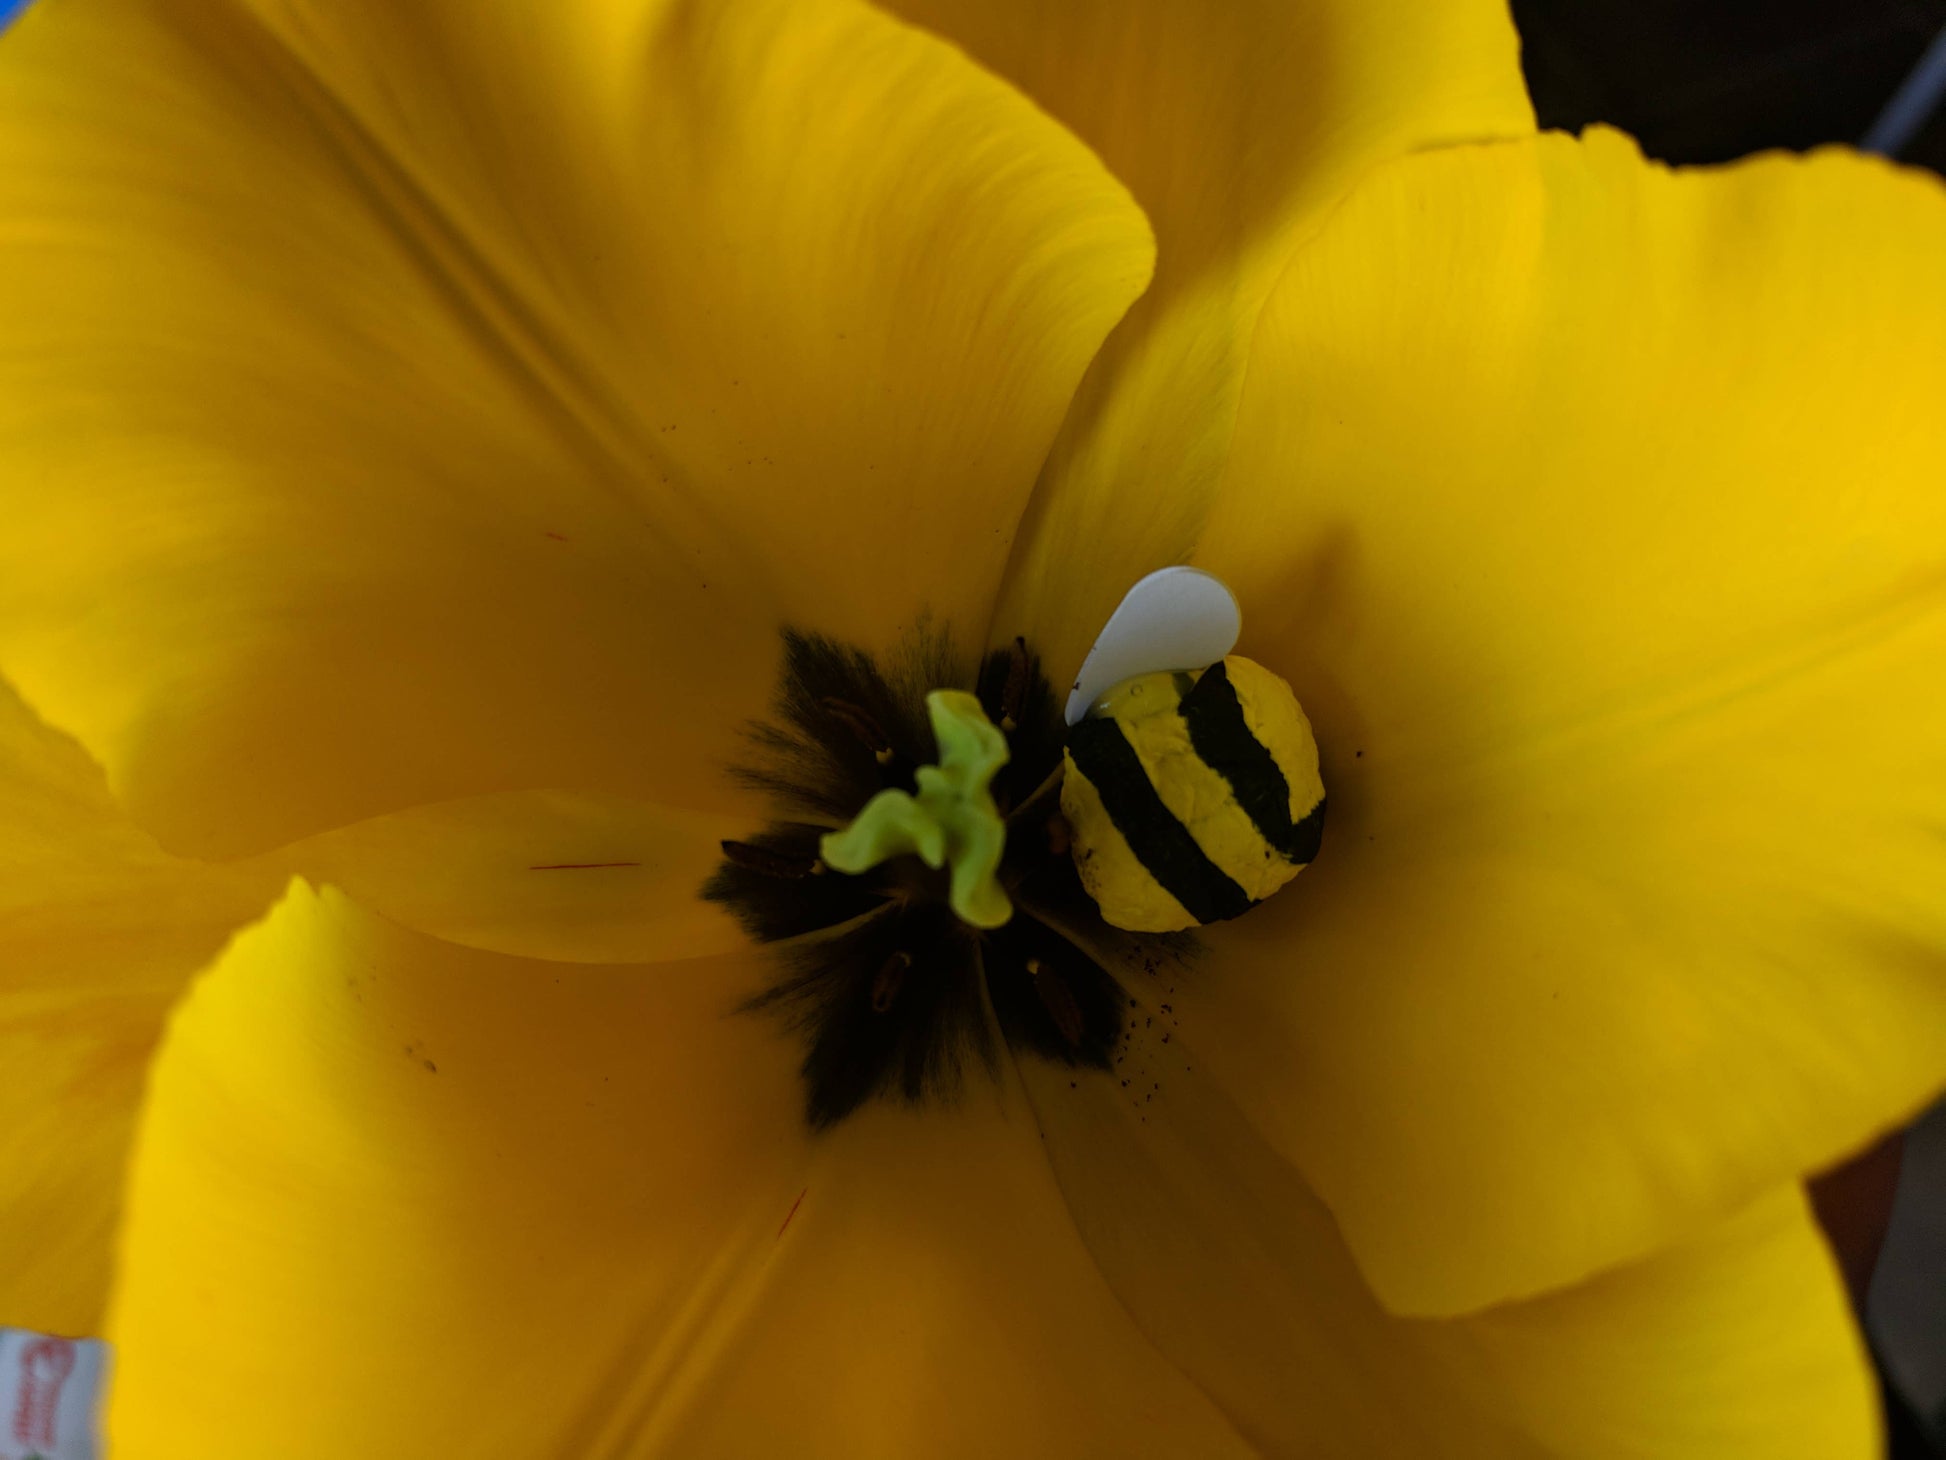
point(952, 819)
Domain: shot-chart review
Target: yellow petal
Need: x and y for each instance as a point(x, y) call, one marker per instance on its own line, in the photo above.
point(1737, 1344)
point(99, 931)
point(543, 874)
point(1236, 127)
point(1594, 513)
point(406, 402)
point(933, 1298)
point(377, 1170)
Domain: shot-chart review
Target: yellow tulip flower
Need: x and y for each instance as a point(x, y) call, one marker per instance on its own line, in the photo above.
point(423, 429)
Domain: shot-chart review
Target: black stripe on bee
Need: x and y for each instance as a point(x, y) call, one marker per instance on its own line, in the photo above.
point(1307, 836)
point(1160, 842)
point(1223, 742)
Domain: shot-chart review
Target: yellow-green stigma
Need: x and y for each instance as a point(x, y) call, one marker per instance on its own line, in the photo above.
point(952, 820)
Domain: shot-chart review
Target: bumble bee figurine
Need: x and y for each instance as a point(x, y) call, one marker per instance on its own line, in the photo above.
point(1190, 795)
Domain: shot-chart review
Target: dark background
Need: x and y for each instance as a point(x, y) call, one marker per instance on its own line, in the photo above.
point(1706, 81)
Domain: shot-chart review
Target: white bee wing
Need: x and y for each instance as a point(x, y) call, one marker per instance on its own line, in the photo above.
point(1176, 618)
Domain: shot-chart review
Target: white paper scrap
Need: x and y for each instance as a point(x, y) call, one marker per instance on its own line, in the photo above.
point(1176, 618)
point(50, 1390)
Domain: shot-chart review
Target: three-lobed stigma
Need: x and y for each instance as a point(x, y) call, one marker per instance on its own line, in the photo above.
point(951, 821)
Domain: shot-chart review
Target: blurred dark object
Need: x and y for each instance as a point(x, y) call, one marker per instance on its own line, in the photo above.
point(1854, 1206)
point(1906, 1309)
point(1905, 1432)
point(1709, 80)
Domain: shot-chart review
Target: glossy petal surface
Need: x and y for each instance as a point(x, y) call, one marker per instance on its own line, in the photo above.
point(419, 1199)
point(1600, 532)
point(1738, 1344)
point(1236, 127)
point(99, 932)
point(402, 403)
point(542, 874)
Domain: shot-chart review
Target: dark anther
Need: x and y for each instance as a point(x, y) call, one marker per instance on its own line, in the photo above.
point(1019, 676)
point(859, 721)
point(885, 987)
point(768, 863)
point(1059, 1002)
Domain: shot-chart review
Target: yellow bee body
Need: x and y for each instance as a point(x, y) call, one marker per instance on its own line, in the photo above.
point(1192, 796)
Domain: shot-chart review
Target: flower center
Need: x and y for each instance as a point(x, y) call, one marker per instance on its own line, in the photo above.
point(916, 887)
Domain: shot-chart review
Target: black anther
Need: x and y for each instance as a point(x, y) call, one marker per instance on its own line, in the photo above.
point(885, 987)
point(768, 863)
point(1019, 675)
point(859, 721)
point(1058, 999)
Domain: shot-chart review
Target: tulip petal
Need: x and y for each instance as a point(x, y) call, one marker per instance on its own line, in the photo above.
point(934, 1249)
point(400, 403)
point(1599, 529)
point(541, 874)
point(414, 1199)
point(99, 932)
point(1236, 127)
point(1738, 1345)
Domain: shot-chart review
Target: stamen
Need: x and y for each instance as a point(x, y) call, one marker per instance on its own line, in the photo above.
point(1019, 677)
point(1049, 783)
point(859, 721)
point(768, 863)
point(891, 977)
point(1059, 1002)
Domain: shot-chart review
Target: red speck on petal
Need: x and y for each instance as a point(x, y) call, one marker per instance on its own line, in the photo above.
point(793, 1211)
